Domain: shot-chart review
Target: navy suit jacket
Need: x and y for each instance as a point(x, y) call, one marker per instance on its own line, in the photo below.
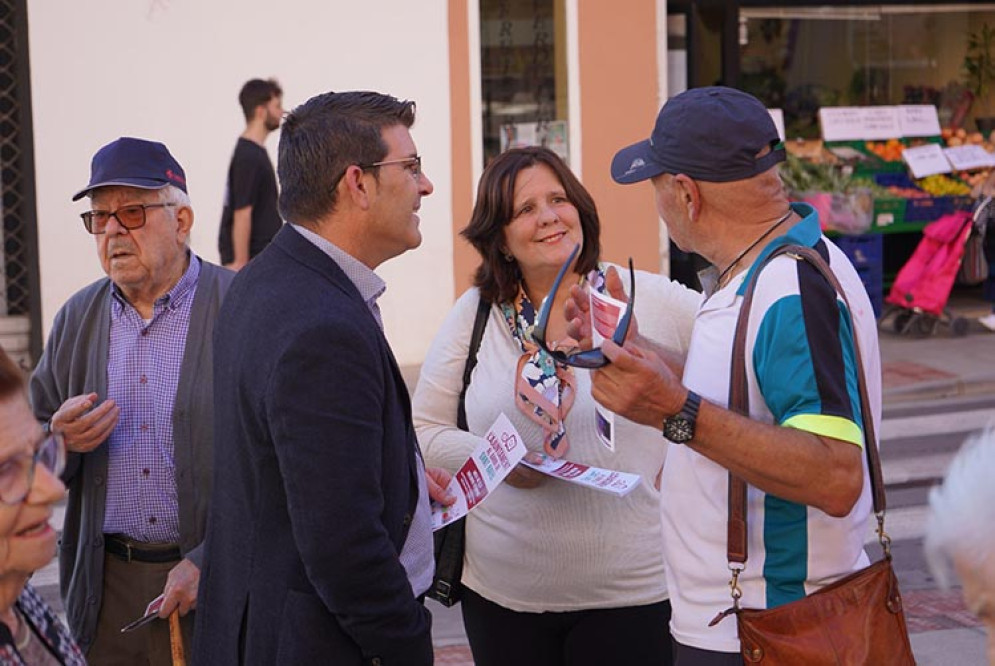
point(315, 479)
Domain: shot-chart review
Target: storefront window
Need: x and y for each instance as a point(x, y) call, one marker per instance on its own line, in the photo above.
point(523, 71)
point(802, 58)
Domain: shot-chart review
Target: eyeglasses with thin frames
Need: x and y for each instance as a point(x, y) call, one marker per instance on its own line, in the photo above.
point(581, 358)
point(130, 217)
point(413, 164)
point(17, 474)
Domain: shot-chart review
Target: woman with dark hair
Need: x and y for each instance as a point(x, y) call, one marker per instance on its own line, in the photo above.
point(555, 573)
point(30, 463)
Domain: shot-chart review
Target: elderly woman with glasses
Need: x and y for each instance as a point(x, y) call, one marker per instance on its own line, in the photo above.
point(554, 573)
point(30, 463)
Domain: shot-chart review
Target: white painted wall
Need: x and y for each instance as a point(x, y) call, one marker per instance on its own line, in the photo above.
point(170, 70)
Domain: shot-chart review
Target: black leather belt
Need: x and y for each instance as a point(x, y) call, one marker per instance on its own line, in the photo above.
point(132, 551)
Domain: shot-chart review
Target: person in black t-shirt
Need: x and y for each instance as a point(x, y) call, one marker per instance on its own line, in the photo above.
point(250, 217)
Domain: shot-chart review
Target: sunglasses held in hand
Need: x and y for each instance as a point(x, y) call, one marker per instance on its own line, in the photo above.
point(581, 358)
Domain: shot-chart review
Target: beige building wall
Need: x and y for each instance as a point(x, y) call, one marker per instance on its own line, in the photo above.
point(171, 70)
point(619, 100)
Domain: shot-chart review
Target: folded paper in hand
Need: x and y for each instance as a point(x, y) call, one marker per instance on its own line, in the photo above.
point(491, 461)
point(151, 613)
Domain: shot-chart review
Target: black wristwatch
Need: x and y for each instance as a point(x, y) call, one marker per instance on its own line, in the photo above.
point(679, 428)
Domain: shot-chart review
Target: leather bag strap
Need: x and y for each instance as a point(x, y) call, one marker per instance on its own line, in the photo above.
point(479, 324)
point(739, 402)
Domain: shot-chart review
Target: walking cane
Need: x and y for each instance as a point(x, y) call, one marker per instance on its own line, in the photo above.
point(176, 639)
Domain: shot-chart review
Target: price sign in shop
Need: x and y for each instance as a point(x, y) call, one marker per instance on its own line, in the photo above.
point(878, 123)
point(930, 159)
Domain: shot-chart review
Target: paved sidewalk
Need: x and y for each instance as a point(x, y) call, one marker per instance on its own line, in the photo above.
point(941, 366)
point(942, 630)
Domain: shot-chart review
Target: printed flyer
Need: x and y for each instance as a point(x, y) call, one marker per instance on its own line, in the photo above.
point(605, 313)
point(500, 451)
point(606, 480)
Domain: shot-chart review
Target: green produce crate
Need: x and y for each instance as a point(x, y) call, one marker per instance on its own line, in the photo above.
point(872, 165)
point(889, 215)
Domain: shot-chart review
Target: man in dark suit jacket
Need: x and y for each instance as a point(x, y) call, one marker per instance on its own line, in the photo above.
point(319, 541)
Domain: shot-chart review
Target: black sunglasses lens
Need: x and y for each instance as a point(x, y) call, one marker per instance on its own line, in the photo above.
point(590, 359)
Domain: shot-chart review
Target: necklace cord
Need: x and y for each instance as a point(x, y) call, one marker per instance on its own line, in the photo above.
point(752, 245)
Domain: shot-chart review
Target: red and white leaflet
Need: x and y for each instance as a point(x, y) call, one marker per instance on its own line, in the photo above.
point(151, 613)
point(491, 461)
point(605, 313)
point(607, 480)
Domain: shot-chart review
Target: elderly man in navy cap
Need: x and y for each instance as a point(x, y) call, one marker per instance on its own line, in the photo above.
point(126, 379)
point(711, 159)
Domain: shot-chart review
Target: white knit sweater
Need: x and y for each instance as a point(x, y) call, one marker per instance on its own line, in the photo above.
point(557, 547)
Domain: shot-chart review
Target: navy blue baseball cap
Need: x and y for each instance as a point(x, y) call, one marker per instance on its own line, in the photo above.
point(134, 163)
point(711, 134)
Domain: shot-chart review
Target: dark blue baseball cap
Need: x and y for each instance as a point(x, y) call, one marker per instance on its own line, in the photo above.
point(134, 163)
point(711, 134)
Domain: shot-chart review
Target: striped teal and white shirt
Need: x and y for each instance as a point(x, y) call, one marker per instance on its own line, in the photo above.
point(802, 374)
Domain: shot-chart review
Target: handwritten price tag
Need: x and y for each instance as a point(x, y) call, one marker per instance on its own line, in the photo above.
point(926, 160)
point(859, 123)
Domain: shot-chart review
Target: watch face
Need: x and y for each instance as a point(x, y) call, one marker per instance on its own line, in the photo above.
point(678, 429)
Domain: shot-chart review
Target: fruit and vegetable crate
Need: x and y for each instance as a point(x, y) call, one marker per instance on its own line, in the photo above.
point(912, 207)
point(878, 156)
point(889, 216)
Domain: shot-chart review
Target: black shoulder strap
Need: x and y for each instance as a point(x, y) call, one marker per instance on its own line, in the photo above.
point(479, 324)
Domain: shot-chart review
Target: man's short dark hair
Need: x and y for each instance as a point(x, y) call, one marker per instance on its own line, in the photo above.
point(256, 93)
point(497, 278)
point(322, 137)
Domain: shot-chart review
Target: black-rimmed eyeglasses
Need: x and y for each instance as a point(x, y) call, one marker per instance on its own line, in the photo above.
point(581, 358)
point(413, 164)
point(17, 474)
point(130, 217)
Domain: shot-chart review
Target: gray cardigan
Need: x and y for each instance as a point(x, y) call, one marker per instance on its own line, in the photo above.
point(75, 362)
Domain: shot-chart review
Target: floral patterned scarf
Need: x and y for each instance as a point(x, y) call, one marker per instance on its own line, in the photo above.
point(544, 389)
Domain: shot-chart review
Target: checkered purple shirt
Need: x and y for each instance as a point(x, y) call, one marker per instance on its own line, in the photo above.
point(143, 370)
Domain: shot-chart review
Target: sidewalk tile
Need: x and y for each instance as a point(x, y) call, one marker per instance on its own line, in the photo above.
point(905, 373)
point(453, 655)
point(929, 610)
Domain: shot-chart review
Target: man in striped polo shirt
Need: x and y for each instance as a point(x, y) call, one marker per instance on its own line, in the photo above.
point(712, 160)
